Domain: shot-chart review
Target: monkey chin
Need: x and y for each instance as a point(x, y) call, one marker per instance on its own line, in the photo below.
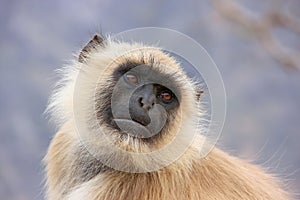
point(133, 129)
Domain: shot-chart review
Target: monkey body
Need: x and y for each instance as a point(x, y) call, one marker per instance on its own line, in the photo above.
point(218, 176)
point(73, 172)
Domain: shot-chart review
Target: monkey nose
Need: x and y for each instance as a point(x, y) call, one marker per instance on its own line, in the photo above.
point(147, 102)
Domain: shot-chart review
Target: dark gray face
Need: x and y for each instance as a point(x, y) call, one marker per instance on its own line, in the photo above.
point(142, 101)
point(146, 97)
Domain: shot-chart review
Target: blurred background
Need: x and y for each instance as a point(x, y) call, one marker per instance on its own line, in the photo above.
point(255, 44)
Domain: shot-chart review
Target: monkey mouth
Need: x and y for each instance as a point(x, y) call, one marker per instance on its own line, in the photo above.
point(133, 128)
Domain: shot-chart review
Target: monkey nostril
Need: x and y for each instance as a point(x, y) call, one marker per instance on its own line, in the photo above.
point(141, 101)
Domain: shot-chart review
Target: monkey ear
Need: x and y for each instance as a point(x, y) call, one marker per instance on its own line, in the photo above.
point(93, 44)
point(198, 94)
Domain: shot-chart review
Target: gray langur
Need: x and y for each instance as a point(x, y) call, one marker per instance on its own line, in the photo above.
point(124, 113)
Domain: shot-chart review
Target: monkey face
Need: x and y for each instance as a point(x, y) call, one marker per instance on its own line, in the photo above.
point(134, 98)
point(143, 101)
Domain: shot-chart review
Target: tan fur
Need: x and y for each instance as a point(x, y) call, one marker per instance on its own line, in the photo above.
point(217, 176)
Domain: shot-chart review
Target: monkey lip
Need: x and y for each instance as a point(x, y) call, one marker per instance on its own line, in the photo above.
point(133, 128)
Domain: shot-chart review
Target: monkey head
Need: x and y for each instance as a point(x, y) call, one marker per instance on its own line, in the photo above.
point(132, 98)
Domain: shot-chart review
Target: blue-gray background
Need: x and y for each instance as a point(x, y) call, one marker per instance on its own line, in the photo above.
point(36, 37)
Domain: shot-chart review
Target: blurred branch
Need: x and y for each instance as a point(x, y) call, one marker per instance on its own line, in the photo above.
point(279, 19)
point(261, 29)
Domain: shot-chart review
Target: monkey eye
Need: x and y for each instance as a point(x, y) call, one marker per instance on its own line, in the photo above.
point(166, 96)
point(131, 78)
